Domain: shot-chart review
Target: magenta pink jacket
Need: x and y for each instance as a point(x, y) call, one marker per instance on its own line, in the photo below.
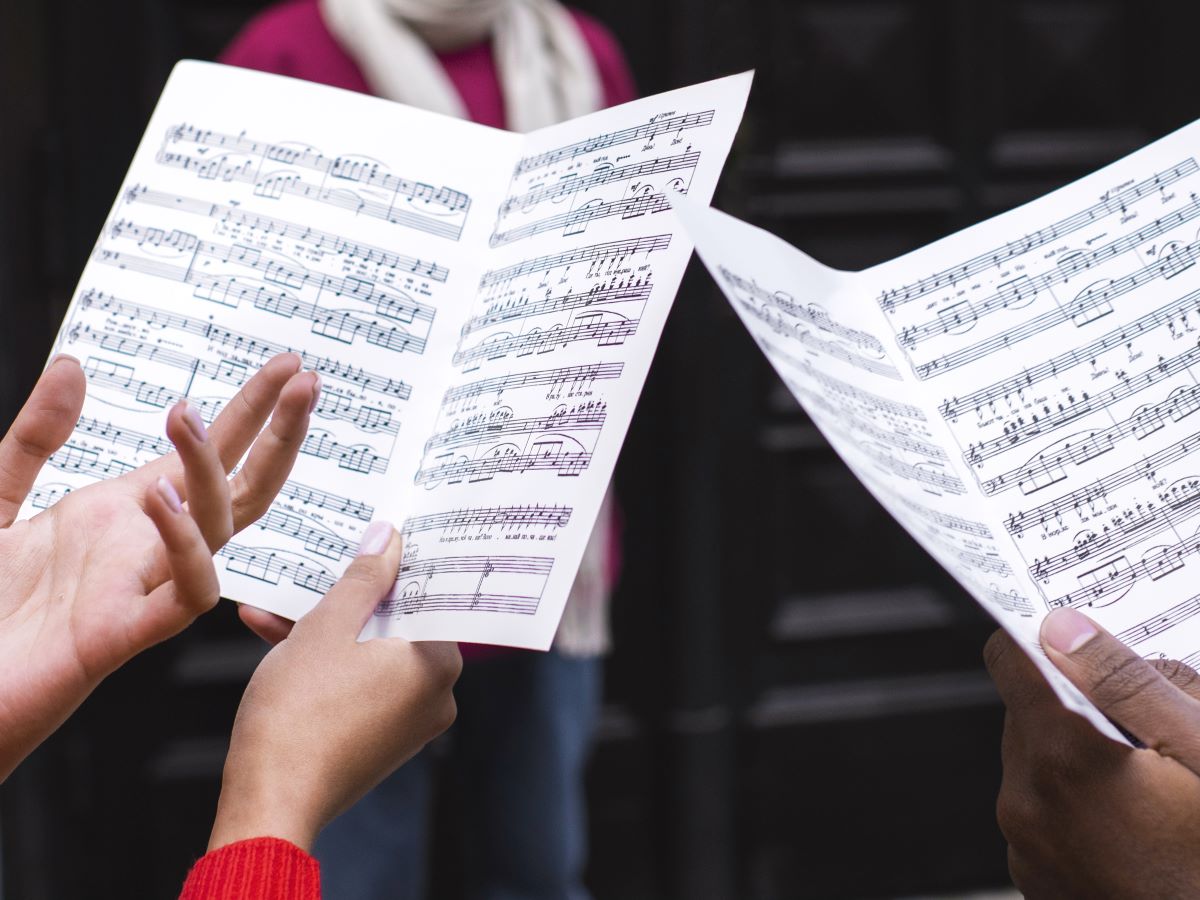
point(292, 39)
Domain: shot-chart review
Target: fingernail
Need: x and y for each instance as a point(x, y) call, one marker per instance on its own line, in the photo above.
point(63, 357)
point(376, 539)
point(167, 491)
point(192, 417)
point(316, 395)
point(1067, 630)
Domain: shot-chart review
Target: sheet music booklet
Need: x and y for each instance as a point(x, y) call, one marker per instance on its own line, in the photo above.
point(482, 308)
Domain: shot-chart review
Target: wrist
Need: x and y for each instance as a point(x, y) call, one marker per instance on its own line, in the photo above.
point(258, 809)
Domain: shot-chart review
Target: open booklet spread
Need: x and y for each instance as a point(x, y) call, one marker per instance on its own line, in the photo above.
point(1020, 395)
point(482, 307)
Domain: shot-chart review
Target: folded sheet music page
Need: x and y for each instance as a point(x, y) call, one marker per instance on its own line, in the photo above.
point(482, 307)
point(1020, 395)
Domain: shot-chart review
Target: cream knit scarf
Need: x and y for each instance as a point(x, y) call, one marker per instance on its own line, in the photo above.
point(546, 69)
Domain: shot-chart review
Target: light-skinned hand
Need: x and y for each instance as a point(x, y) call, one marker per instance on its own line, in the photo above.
point(118, 566)
point(1084, 816)
point(326, 718)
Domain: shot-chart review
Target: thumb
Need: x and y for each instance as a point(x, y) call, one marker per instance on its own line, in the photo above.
point(348, 606)
point(1123, 686)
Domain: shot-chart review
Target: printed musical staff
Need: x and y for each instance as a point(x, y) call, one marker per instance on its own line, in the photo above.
point(305, 234)
point(1160, 623)
point(566, 187)
point(1114, 578)
point(524, 308)
point(1061, 364)
point(470, 583)
point(844, 389)
point(558, 457)
point(1071, 408)
point(781, 325)
point(611, 333)
point(876, 430)
point(383, 300)
point(342, 326)
point(44, 496)
point(1133, 527)
point(576, 221)
point(1113, 203)
point(353, 458)
point(948, 521)
point(502, 427)
point(966, 314)
point(810, 314)
point(275, 567)
point(1090, 305)
point(640, 134)
point(1143, 469)
point(73, 458)
point(438, 211)
point(602, 255)
point(502, 517)
point(321, 541)
point(319, 499)
point(257, 348)
point(568, 379)
point(1049, 466)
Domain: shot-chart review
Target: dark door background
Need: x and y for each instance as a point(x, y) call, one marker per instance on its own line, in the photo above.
point(796, 706)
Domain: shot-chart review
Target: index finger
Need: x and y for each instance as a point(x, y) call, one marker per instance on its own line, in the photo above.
point(237, 425)
point(1123, 686)
point(1018, 681)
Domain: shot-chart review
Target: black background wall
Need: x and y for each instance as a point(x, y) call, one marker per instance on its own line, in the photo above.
point(796, 706)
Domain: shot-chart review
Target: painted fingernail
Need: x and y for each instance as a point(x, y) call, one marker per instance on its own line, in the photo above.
point(192, 417)
point(167, 491)
point(376, 539)
point(1067, 630)
point(316, 395)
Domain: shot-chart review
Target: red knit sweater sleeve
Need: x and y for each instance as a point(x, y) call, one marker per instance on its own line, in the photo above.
point(259, 869)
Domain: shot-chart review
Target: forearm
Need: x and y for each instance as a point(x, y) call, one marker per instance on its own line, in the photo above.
point(29, 714)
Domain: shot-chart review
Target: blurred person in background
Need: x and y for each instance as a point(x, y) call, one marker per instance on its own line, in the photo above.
point(525, 719)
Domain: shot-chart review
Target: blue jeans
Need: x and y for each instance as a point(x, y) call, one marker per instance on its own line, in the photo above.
point(525, 722)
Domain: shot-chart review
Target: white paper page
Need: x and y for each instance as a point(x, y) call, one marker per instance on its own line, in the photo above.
point(834, 350)
point(1058, 343)
point(586, 259)
point(260, 215)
